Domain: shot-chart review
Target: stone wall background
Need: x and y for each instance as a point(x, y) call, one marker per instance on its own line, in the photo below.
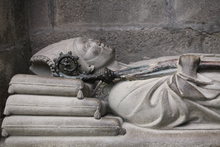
point(136, 29)
point(14, 44)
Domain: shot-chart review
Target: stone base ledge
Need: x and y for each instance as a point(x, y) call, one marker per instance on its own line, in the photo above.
point(134, 137)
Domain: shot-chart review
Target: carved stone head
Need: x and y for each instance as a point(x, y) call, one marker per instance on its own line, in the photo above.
point(91, 55)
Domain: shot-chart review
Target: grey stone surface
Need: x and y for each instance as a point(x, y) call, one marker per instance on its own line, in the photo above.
point(132, 138)
point(111, 11)
point(12, 60)
point(39, 105)
point(40, 14)
point(6, 22)
point(21, 125)
point(13, 26)
point(204, 13)
point(144, 28)
point(14, 44)
point(211, 42)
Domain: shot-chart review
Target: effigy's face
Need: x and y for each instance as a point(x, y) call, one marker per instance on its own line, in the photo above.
point(91, 48)
point(94, 52)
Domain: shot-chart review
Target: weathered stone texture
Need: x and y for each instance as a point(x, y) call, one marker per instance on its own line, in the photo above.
point(14, 44)
point(140, 29)
point(202, 14)
point(12, 21)
point(111, 11)
point(211, 43)
point(6, 22)
point(39, 14)
point(133, 137)
point(14, 59)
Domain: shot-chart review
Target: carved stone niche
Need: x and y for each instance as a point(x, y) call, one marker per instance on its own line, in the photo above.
point(93, 100)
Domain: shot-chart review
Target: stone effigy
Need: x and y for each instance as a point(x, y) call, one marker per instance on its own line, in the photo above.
point(168, 93)
point(181, 99)
point(164, 102)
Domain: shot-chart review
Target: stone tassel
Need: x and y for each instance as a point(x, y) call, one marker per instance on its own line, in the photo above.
point(97, 114)
point(80, 94)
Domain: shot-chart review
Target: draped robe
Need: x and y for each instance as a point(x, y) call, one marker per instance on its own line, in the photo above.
point(186, 97)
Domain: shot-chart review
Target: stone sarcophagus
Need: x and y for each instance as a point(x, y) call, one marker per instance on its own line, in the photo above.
point(81, 96)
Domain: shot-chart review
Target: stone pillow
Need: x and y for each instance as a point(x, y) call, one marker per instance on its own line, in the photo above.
point(40, 85)
point(53, 105)
point(60, 126)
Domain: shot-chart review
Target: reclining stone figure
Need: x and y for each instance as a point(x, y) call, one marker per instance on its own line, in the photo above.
point(186, 97)
point(167, 92)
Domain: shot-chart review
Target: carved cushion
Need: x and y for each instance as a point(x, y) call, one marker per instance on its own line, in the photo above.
point(33, 84)
point(60, 126)
point(53, 105)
